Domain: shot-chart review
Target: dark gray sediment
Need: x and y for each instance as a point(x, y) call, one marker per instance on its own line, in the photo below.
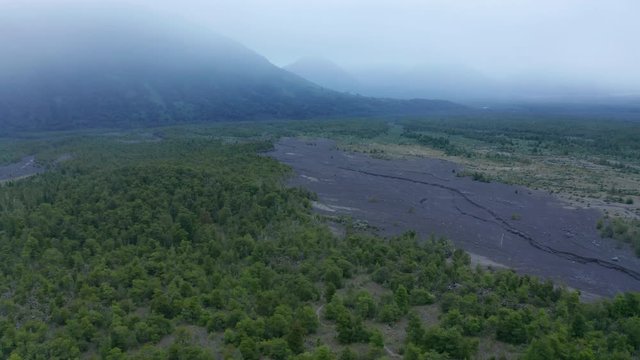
point(527, 230)
point(25, 167)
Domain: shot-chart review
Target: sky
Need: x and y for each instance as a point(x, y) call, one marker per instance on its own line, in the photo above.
point(586, 40)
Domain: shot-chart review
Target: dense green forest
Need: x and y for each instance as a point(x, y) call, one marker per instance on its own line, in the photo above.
point(192, 247)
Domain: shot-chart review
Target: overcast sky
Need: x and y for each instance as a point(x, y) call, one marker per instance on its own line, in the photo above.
point(595, 40)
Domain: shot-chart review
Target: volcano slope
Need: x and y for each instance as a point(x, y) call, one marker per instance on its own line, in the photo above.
point(529, 231)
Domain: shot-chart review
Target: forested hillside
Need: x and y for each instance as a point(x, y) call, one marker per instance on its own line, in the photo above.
point(141, 73)
point(192, 248)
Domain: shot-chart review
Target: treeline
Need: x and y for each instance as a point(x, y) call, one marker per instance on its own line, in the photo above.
point(437, 142)
point(510, 133)
point(194, 249)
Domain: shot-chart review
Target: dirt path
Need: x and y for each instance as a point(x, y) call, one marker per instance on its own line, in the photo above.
point(391, 353)
point(319, 315)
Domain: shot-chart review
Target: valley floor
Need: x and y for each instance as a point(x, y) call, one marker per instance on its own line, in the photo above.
point(528, 230)
point(24, 168)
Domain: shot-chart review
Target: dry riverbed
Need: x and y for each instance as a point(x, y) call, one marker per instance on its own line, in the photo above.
point(529, 231)
point(24, 168)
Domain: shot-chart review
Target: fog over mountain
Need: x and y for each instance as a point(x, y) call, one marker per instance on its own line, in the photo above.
point(324, 73)
point(85, 68)
point(72, 62)
point(448, 81)
point(571, 43)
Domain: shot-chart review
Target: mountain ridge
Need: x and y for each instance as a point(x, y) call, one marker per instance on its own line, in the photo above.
point(324, 73)
point(141, 75)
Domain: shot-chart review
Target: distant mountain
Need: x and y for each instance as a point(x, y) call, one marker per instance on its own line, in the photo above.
point(448, 81)
point(433, 81)
point(422, 81)
point(142, 74)
point(324, 73)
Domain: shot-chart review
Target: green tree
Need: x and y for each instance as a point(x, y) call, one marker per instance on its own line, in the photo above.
point(295, 338)
point(307, 318)
point(401, 297)
point(365, 305)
